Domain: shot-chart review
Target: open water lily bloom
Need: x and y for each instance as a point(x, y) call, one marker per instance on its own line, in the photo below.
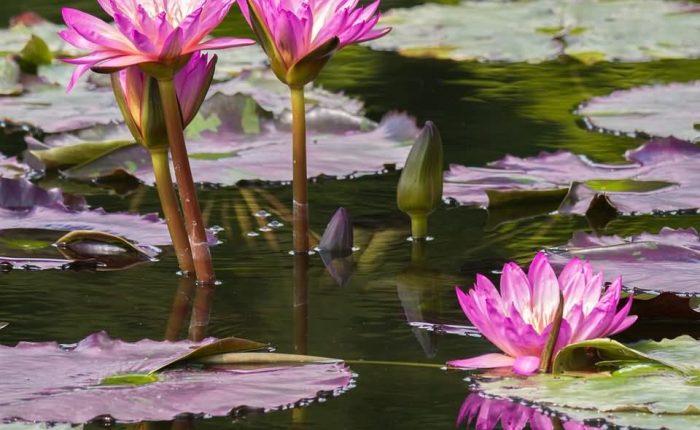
point(299, 36)
point(518, 320)
point(145, 31)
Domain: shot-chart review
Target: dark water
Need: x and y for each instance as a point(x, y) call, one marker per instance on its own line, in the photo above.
point(483, 112)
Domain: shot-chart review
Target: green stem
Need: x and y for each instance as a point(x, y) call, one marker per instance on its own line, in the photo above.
point(395, 363)
point(171, 210)
point(183, 174)
point(300, 216)
point(548, 352)
point(419, 226)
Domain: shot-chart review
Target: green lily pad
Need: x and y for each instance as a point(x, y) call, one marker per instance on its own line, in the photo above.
point(541, 30)
point(34, 54)
point(652, 380)
point(130, 379)
point(626, 185)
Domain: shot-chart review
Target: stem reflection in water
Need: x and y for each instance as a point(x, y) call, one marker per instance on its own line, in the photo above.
point(300, 305)
point(181, 308)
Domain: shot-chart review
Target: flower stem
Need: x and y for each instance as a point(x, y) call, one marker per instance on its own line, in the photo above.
point(171, 210)
point(300, 217)
point(204, 268)
point(548, 352)
point(419, 226)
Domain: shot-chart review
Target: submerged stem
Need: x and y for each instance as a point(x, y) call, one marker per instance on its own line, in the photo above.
point(300, 217)
point(171, 210)
point(188, 193)
point(548, 352)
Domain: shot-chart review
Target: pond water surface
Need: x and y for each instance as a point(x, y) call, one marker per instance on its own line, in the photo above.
point(483, 112)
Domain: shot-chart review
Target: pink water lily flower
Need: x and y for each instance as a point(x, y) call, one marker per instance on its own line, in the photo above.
point(302, 34)
point(191, 85)
point(145, 31)
point(518, 320)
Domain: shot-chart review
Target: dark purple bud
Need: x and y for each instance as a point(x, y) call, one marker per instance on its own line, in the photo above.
point(338, 239)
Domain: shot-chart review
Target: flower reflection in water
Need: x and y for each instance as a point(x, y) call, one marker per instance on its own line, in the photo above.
point(484, 413)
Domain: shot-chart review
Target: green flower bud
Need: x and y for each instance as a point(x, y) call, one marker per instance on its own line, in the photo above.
point(420, 187)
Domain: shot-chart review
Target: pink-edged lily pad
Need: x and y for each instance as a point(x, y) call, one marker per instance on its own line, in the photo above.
point(102, 377)
point(235, 139)
point(33, 219)
point(540, 30)
point(661, 176)
point(665, 262)
point(654, 110)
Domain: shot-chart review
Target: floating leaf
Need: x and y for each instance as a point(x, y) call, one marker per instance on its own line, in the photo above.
point(60, 383)
point(656, 110)
point(28, 25)
point(52, 110)
point(658, 381)
point(228, 155)
point(10, 84)
point(35, 53)
point(668, 261)
point(31, 217)
point(660, 177)
point(541, 30)
point(108, 250)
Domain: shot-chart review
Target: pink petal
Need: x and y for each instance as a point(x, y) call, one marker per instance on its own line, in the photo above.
point(545, 291)
point(515, 289)
point(526, 365)
point(222, 43)
point(486, 361)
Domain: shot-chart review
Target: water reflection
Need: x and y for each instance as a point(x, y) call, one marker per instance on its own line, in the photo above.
point(300, 306)
point(483, 413)
point(420, 289)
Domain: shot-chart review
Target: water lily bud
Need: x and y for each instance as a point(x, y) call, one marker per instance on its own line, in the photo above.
point(138, 97)
point(420, 187)
point(337, 240)
point(153, 128)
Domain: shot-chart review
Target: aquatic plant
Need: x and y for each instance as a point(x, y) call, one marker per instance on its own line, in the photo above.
point(336, 246)
point(159, 37)
point(158, 34)
point(523, 317)
point(299, 37)
point(420, 187)
point(139, 100)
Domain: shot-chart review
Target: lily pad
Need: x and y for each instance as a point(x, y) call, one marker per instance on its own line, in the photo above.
point(28, 25)
point(32, 219)
point(660, 177)
point(10, 84)
point(235, 139)
point(665, 262)
point(50, 109)
point(541, 30)
point(656, 379)
point(63, 383)
point(656, 110)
